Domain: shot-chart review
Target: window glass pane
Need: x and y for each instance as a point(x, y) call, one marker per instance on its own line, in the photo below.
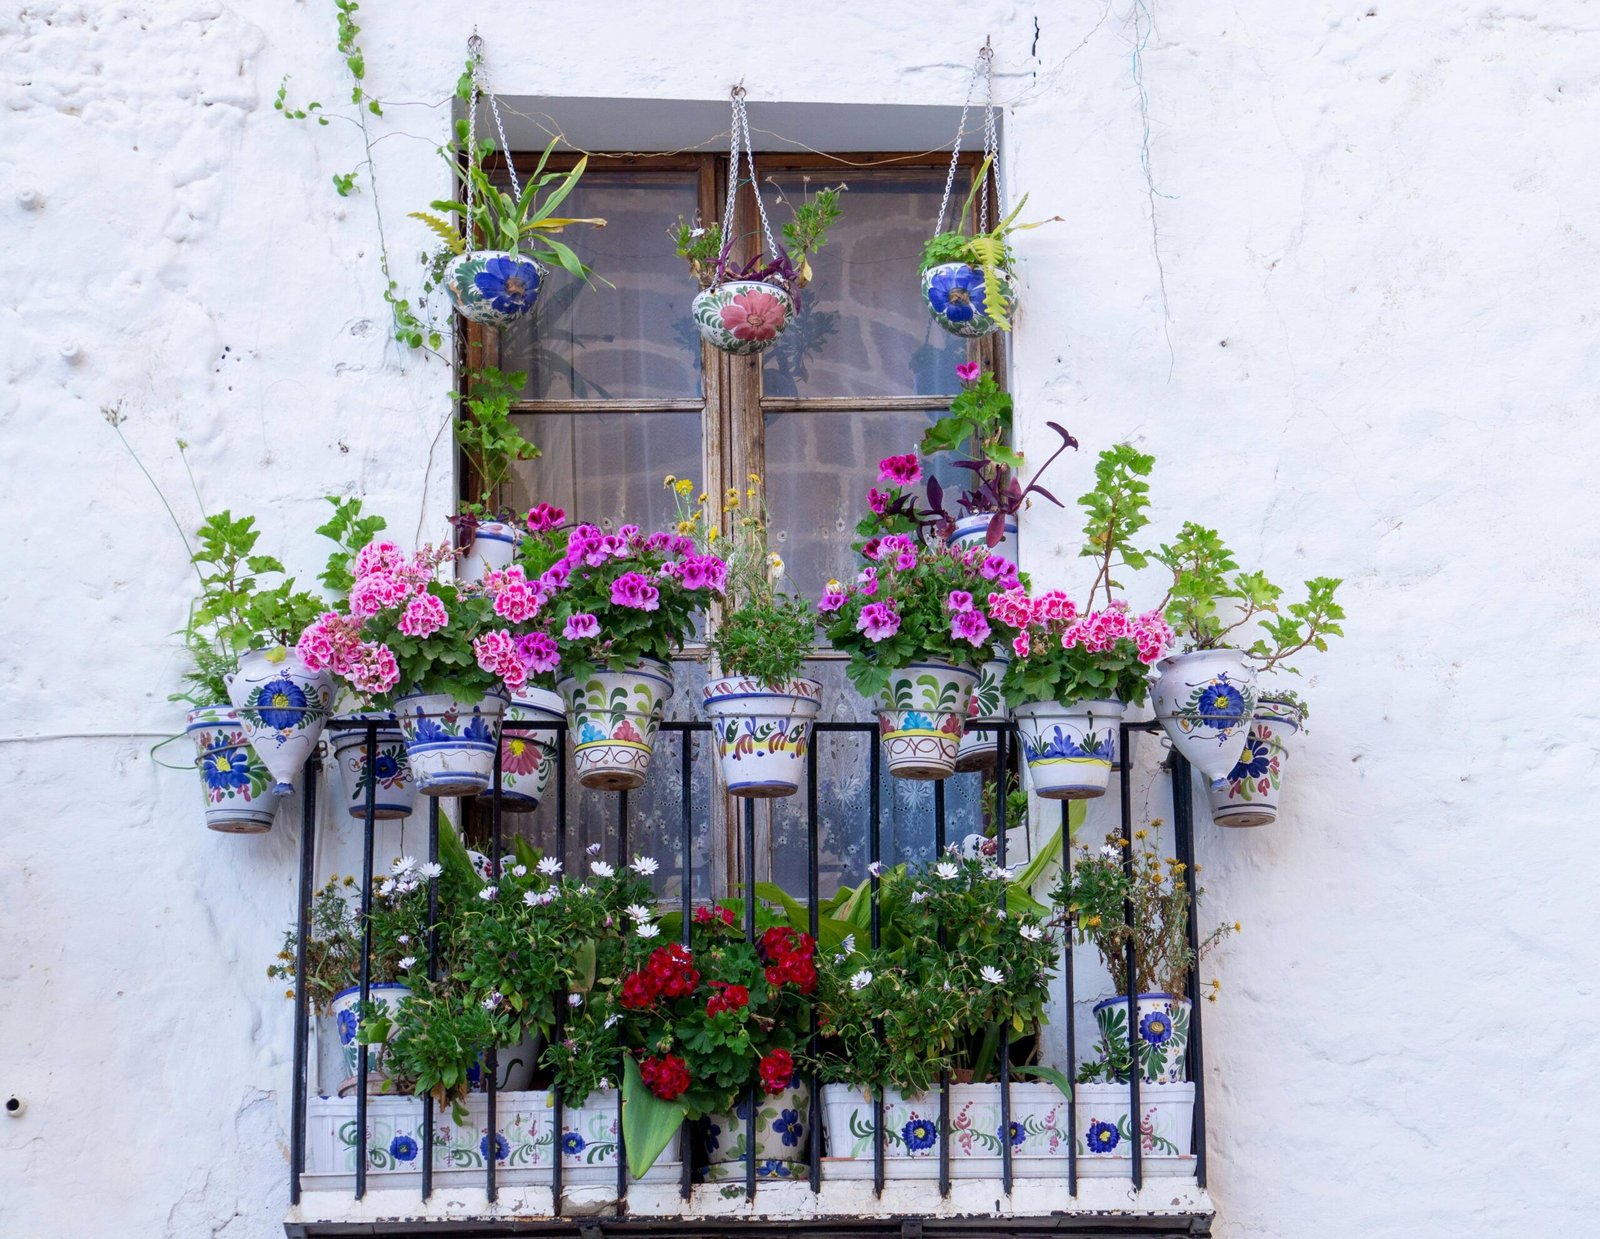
point(864, 327)
point(607, 467)
point(631, 341)
point(819, 468)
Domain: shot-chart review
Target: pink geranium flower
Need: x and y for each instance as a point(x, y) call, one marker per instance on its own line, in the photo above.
point(580, 627)
point(968, 373)
point(424, 616)
point(900, 470)
point(969, 626)
point(879, 620)
point(633, 589)
point(544, 517)
point(832, 600)
point(959, 600)
point(538, 652)
point(754, 315)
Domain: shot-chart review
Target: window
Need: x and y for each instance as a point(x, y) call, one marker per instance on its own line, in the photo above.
point(621, 392)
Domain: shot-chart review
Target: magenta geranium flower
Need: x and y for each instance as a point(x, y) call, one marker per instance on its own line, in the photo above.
point(579, 627)
point(959, 600)
point(968, 373)
point(900, 470)
point(633, 589)
point(832, 600)
point(969, 626)
point(879, 620)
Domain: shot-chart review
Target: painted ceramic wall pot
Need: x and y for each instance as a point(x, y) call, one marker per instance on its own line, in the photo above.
point(396, 1134)
point(346, 1012)
point(612, 717)
point(451, 744)
point(1038, 1124)
point(394, 795)
point(1161, 1038)
point(1205, 700)
point(1069, 749)
point(528, 758)
point(493, 287)
point(762, 732)
point(1104, 1129)
point(988, 705)
point(1248, 794)
point(958, 300)
point(781, 1127)
point(973, 531)
point(233, 779)
point(742, 316)
point(283, 706)
point(921, 718)
point(514, 1065)
point(494, 546)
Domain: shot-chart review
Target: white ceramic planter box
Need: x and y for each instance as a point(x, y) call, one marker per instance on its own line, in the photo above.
point(1038, 1125)
point(1166, 1122)
point(395, 1134)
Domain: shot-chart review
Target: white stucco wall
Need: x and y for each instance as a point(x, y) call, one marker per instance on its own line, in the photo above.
point(1373, 358)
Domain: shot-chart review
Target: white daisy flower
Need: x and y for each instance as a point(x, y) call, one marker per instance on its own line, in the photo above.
point(639, 912)
point(386, 887)
point(876, 869)
point(861, 980)
point(918, 896)
point(431, 870)
point(997, 871)
point(946, 870)
point(403, 865)
point(574, 1000)
point(537, 899)
point(593, 849)
point(1033, 933)
point(647, 930)
point(403, 939)
point(611, 1022)
point(848, 946)
point(492, 1001)
point(488, 892)
point(1111, 852)
point(601, 869)
point(644, 866)
point(519, 871)
point(549, 866)
point(408, 962)
point(991, 974)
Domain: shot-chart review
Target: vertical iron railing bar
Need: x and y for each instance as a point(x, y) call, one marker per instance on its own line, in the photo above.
point(750, 936)
point(558, 1116)
point(433, 975)
point(369, 755)
point(302, 1004)
point(874, 845)
point(686, 900)
point(814, 917)
point(1070, 1007)
point(492, 1055)
point(944, 1072)
point(1183, 825)
point(1001, 757)
point(1135, 1066)
point(622, 865)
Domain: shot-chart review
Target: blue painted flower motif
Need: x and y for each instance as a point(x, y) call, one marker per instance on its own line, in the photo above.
point(572, 1144)
point(919, 1134)
point(1221, 705)
point(281, 704)
point(1058, 744)
point(1101, 1137)
point(713, 1138)
point(1253, 762)
point(386, 767)
point(428, 731)
point(772, 1168)
point(741, 1111)
point(478, 729)
point(1156, 1028)
point(227, 770)
point(346, 1021)
point(789, 1127)
point(589, 733)
point(508, 284)
point(502, 1147)
point(915, 720)
point(1018, 1134)
point(958, 294)
point(403, 1149)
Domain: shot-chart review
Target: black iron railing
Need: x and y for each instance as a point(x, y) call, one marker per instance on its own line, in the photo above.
point(1179, 772)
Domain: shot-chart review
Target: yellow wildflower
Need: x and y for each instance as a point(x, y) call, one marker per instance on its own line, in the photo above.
point(702, 499)
point(732, 497)
point(686, 527)
point(685, 485)
point(755, 479)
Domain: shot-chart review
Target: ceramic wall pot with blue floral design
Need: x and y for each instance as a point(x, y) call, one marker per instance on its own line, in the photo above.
point(528, 758)
point(1038, 1124)
point(1069, 749)
point(233, 779)
point(1161, 1037)
point(958, 300)
point(973, 531)
point(523, 1140)
point(394, 795)
point(283, 706)
point(762, 732)
point(1205, 700)
point(346, 1012)
point(493, 287)
point(612, 717)
point(494, 546)
point(742, 316)
point(1166, 1121)
point(1248, 794)
point(781, 1137)
point(979, 749)
point(451, 744)
point(922, 717)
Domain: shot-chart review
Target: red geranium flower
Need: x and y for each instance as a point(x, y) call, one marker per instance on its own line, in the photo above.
point(754, 316)
point(728, 998)
point(777, 1070)
point(637, 991)
point(704, 916)
point(667, 1077)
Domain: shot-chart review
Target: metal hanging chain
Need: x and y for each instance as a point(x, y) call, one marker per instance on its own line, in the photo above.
point(984, 67)
point(480, 83)
point(741, 134)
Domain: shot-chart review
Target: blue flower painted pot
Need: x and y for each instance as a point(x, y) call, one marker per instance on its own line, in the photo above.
point(1205, 700)
point(1248, 794)
point(493, 287)
point(922, 716)
point(528, 758)
point(451, 744)
point(1069, 749)
point(233, 779)
point(394, 794)
point(494, 547)
point(988, 705)
point(1037, 1126)
point(1104, 1129)
point(973, 531)
point(959, 298)
point(346, 1012)
point(612, 717)
point(782, 1129)
point(762, 732)
point(283, 706)
point(1160, 1036)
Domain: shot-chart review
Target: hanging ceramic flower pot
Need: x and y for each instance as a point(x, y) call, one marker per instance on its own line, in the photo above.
point(1069, 749)
point(493, 287)
point(394, 795)
point(1248, 794)
point(384, 997)
point(233, 778)
point(613, 716)
point(528, 758)
point(450, 744)
point(988, 705)
point(742, 316)
point(781, 1137)
point(973, 531)
point(958, 300)
point(282, 706)
point(494, 546)
point(1161, 1039)
point(1205, 700)
point(763, 732)
point(920, 718)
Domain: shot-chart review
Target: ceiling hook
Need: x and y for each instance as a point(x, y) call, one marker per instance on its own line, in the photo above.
point(475, 44)
point(737, 92)
point(986, 52)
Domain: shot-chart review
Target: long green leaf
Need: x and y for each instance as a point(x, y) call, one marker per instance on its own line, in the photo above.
point(1055, 1077)
point(648, 1123)
point(555, 199)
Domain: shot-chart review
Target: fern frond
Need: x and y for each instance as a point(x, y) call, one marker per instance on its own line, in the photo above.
point(447, 233)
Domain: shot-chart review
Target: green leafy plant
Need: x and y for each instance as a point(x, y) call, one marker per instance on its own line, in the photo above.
point(710, 254)
point(1114, 512)
point(349, 530)
point(490, 439)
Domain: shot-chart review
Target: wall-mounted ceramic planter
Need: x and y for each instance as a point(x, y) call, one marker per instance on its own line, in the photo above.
point(781, 1137)
point(979, 749)
point(1248, 794)
point(1105, 1130)
point(1069, 749)
point(613, 717)
point(283, 706)
point(911, 1124)
point(921, 717)
point(958, 300)
point(762, 732)
point(1205, 699)
point(494, 547)
point(528, 758)
point(346, 1014)
point(973, 531)
point(394, 795)
point(1162, 1036)
point(451, 744)
point(233, 779)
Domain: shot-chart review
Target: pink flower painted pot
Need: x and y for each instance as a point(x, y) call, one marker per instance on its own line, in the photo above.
point(528, 758)
point(1248, 794)
point(742, 316)
point(922, 716)
point(612, 717)
point(762, 732)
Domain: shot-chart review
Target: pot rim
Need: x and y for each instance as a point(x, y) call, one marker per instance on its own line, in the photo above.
point(1157, 994)
point(776, 290)
point(1052, 708)
point(372, 987)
